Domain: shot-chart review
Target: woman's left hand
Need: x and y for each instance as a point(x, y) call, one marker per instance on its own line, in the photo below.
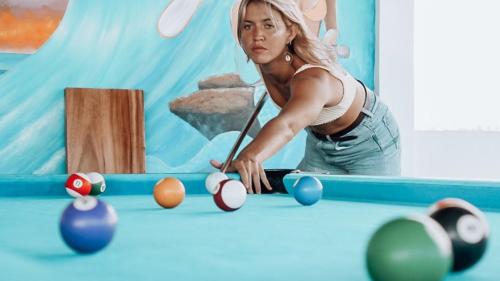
point(251, 173)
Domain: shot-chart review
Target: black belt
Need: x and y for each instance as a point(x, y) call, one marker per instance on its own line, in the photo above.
point(340, 136)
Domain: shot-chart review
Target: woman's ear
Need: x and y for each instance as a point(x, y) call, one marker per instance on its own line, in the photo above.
point(293, 32)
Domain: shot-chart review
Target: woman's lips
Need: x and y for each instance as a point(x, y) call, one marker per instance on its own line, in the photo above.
point(259, 49)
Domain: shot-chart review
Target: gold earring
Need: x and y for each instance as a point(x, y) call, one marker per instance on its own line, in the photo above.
point(288, 56)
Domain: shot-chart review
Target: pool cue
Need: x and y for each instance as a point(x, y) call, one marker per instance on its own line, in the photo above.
point(243, 133)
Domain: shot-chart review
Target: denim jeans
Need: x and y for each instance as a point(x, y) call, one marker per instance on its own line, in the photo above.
point(371, 148)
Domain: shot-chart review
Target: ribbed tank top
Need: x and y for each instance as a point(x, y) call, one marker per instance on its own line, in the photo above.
point(329, 114)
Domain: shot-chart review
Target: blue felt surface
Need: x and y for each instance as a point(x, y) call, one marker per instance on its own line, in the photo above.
point(271, 238)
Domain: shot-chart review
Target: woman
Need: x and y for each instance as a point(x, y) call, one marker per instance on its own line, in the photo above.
point(350, 131)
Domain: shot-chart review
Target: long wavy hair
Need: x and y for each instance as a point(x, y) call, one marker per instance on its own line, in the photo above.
point(305, 45)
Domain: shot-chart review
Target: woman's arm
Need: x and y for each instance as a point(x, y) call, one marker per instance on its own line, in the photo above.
point(307, 99)
point(309, 94)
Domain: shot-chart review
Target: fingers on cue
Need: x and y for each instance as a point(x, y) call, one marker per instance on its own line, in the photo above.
point(216, 164)
point(231, 168)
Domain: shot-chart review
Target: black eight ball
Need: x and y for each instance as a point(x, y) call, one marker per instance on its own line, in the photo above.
point(467, 228)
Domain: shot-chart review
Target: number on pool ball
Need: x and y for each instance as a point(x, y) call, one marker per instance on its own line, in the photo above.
point(231, 195)
point(414, 248)
point(97, 182)
point(87, 224)
point(78, 184)
point(307, 190)
point(467, 228)
point(169, 192)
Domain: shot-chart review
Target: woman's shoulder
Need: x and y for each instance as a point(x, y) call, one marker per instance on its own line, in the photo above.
point(318, 79)
point(312, 80)
point(319, 71)
point(310, 71)
point(316, 74)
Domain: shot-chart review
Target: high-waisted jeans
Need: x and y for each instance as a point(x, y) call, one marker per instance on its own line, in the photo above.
point(371, 148)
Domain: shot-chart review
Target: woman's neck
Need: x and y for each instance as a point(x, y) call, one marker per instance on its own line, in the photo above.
point(280, 71)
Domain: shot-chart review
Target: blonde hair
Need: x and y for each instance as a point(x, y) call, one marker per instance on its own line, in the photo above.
point(305, 44)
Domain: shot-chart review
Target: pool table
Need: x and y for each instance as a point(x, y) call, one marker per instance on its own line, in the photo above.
point(271, 237)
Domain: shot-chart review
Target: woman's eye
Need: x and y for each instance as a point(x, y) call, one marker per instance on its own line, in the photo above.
point(246, 27)
point(269, 26)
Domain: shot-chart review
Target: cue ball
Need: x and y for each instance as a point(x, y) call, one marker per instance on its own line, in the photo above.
point(87, 224)
point(212, 182)
point(307, 190)
point(169, 192)
point(78, 184)
point(97, 182)
point(231, 195)
point(467, 228)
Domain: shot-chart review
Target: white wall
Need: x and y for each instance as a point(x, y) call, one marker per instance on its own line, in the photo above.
point(449, 154)
point(458, 154)
point(394, 64)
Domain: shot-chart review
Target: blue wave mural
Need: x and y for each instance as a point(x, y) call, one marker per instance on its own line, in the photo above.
point(115, 44)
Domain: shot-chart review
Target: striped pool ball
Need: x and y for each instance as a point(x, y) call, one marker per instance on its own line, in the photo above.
point(78, 184)
point(98, 183)
point(87, 225)
point(231, 195)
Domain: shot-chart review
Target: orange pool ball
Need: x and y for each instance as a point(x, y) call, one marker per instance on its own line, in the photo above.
point(169, 192)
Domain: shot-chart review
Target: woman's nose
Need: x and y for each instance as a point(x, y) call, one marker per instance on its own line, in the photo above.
point(258, 35)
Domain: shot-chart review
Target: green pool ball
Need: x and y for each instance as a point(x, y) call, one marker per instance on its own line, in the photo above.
point(410, 249)
point(98, 183)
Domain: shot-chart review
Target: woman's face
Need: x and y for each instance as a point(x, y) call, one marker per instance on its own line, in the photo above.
point(264, 34)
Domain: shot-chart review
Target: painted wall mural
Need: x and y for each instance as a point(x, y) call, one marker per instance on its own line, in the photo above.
point(26, 25)
point(117, 44)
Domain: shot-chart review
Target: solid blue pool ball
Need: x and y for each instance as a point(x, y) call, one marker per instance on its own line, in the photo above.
point(87, 224)
point(307, 190)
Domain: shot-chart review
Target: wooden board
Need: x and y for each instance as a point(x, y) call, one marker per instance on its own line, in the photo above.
point(105, 130)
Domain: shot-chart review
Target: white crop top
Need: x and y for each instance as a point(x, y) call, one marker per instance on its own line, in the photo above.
point(349, 84)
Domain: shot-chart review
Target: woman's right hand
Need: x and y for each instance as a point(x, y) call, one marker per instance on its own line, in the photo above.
point(251, 173)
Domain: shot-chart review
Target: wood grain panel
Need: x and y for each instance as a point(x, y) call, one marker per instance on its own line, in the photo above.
point(105, 130)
